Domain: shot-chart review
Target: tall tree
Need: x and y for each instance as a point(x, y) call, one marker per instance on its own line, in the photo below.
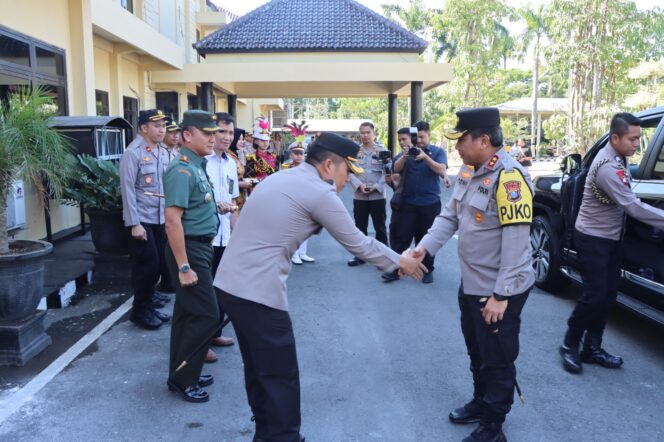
point(533, 35)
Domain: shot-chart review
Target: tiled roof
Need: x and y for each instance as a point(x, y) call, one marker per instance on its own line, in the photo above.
point(311, 26)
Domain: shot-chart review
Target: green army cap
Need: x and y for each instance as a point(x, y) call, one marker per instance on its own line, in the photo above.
point(205, 121)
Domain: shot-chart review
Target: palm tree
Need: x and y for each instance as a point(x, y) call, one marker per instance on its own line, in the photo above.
point(418, 18)
point(534, 33)
point(30, 150)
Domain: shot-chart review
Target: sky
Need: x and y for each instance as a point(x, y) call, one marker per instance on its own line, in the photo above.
point(244, 6)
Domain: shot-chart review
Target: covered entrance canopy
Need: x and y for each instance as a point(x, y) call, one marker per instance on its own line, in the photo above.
point(309, 48)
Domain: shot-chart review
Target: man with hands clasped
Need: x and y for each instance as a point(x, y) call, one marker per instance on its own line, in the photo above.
point(491, 209)
point(370, 188)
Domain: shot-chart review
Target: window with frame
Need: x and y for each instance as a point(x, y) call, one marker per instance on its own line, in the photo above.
point(28, 62)
point(126, 4)
point(101, 100)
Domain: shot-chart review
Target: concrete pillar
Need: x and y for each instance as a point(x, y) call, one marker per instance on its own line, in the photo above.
point(115, 104)
point(82, 74)
point(416, 88)
point(206, 100)
point(232, 105)
point(392, 123)
point(183, 102)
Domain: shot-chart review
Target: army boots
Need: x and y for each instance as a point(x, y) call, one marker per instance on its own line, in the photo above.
point(569, 351)
point(593, 353)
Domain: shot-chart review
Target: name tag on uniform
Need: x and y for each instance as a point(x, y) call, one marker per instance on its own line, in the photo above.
point(514, 199)
point(231, 185)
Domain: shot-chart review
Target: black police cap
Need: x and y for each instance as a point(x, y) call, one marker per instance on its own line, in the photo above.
point(476, 118)
point(145, 116)
point(345, 148)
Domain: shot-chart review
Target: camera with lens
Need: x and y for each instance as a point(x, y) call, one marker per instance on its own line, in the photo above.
point(385, 157)
point(413, 151)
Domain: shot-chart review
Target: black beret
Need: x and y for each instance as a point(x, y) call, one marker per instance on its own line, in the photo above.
point(476, 118)
point(345, 148)
point(145, 116)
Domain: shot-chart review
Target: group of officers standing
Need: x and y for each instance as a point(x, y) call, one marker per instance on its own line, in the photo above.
point(174, 214)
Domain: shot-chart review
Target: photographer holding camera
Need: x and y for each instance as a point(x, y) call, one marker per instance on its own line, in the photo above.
point(420, 168)
point(369, 186)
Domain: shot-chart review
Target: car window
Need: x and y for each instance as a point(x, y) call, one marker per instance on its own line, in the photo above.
point(648, 134)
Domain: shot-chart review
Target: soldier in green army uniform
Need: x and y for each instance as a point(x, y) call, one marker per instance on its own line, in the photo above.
point(191, 225)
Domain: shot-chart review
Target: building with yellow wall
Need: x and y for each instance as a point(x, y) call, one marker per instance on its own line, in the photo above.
point(96, 58)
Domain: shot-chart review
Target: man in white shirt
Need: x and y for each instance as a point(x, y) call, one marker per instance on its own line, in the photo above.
point(222, 173)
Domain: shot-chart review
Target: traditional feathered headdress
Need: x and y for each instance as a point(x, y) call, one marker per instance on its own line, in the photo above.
point(299, 131)
point(263, 130)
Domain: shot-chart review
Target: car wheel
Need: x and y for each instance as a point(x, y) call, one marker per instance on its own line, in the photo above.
point(546, 255)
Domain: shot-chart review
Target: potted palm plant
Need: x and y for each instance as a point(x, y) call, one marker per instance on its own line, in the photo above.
point(34, 152)
point(96, 186)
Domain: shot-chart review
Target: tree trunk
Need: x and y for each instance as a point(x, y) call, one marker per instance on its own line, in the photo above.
point(4, 238)
point(534, 132)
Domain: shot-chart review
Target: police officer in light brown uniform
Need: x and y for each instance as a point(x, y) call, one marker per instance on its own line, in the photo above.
point(370, 188)
point(491, 209)
point(607, 197)
point(297, 203)
point(142, 169)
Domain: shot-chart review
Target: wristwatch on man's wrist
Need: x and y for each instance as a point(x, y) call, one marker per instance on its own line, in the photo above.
point(184, 268)
point(498, 297)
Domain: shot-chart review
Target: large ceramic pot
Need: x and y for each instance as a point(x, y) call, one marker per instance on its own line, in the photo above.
point(109, 235)
point(22, 279)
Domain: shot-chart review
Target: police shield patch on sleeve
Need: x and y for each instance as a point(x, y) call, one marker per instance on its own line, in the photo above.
point(514, 199)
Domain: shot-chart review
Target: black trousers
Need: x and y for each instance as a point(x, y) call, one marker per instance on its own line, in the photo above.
point(195, 314)
point(493, 349)
point(599, 260)
point(413, 222)
point(271, 374)
point(377, 210)
point(216, 259)
point(146, 260)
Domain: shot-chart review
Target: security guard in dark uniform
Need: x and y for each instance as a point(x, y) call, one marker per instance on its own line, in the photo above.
point(191, 225)
point(607, 197)
point(297, 202)
point(491, 208)
point(142, 169)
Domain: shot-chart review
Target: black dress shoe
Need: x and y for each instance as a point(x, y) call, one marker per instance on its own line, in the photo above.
point(390, 276)
point(571, 360)
point(470, 413)
point(427, 278)
point(163, 317)
point(355, 262)
point(165, 299)
point(156, 303)
point(145, 319)
point(487, 432)
point(189, 394)
point(205, 380)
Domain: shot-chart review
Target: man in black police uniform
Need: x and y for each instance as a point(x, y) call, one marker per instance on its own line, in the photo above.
point(491, 208)
point(191, 224)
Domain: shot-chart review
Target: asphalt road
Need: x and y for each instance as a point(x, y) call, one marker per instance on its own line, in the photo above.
point(378, 362)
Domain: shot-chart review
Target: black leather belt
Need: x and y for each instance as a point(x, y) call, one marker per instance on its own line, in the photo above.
point(204, 239)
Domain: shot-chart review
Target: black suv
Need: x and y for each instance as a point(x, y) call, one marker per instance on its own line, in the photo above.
point(556, 205)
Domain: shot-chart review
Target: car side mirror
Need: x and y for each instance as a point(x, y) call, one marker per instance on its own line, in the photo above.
point(571, 164)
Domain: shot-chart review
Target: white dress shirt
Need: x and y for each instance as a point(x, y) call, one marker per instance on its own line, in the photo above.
point(223, 176)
